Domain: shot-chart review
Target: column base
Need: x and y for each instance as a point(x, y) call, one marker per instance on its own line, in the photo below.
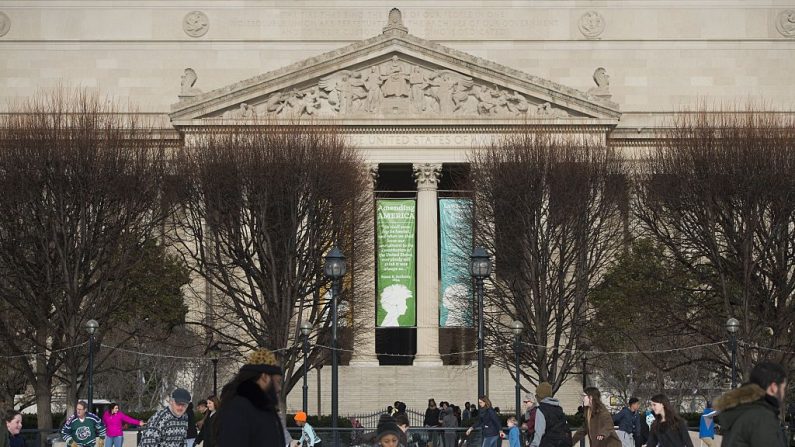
point(427, 361)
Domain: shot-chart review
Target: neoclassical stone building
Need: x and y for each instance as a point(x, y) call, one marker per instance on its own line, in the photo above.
point(415, 89)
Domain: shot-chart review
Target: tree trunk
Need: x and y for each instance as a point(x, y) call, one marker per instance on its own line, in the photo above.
point(43, 402)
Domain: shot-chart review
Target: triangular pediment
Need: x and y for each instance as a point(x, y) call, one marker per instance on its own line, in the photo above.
point(394, 77)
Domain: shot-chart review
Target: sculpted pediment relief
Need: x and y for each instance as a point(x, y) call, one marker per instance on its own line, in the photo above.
point(394, 76)
point(396, 88)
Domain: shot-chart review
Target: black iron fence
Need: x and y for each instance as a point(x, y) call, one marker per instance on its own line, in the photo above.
point(417, 437)
point(370, 420)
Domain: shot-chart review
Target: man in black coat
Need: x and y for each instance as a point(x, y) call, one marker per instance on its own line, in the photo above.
point(248, 415)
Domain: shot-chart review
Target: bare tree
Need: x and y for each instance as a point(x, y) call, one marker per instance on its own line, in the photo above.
point(719, 195)
point(81, 197)
point(261, 208)
point(549, 209)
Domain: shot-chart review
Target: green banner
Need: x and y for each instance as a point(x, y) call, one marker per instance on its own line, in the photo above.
point(396, 220)
point(455, 245)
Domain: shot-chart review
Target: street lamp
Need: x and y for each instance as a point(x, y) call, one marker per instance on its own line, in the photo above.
point(480, 269)
point(732, 326)
point(334, 269)
point(215, 352)
point(306, 329)
point(517, 328)
point(91, 328)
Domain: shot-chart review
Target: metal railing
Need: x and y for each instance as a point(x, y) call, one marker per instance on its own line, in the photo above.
point(417, 436)
point(370, 420)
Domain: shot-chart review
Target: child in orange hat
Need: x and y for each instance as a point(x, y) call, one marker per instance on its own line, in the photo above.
point(308, 436)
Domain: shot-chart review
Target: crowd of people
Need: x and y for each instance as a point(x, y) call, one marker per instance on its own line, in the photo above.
point(247, 415)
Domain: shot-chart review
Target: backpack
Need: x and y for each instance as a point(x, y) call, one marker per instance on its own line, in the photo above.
point(557, 432)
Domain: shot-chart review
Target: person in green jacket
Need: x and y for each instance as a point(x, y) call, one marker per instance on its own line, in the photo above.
point(749, 415)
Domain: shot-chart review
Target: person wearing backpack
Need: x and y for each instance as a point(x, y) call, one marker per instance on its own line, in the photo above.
point(551, 426)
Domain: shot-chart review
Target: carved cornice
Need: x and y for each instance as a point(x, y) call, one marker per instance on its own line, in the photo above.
point(427, 175)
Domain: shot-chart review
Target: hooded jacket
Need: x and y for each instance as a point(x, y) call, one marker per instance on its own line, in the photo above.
point(545, 434)
point(749, 418)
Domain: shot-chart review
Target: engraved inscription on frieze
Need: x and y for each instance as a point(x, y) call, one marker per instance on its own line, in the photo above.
point(399, 88)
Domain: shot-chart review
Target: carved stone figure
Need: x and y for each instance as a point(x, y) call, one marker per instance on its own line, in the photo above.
point(445, 82)
point(372, 83)
point(189, 79)
point(418, 84)
point(487, 103)
point(244, 112)
point(546, 110)
point(343, 88)
point(602, 80)
point(396, 83)
point(518, 104)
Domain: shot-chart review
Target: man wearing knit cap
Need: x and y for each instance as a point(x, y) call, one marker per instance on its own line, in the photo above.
point(169, 426)
point(248, 415)
point(551, 427)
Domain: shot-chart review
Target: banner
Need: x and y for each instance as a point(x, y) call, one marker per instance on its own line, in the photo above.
point(396, 220)
point(455, 246)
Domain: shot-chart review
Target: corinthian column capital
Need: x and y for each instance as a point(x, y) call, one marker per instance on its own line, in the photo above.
point(427, 175)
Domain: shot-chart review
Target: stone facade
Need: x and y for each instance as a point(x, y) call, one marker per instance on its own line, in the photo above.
point(423, 86)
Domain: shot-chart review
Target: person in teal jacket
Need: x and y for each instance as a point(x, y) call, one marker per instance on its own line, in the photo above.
point(83, 429)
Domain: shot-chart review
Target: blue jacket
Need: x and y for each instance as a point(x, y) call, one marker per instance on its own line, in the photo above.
point(628, 422)
point(514, 439)
point(706, 430)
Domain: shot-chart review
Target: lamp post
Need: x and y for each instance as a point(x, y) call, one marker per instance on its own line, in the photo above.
point(480, 269)
point(306, 329)
point(584, 372)
point(517, 328)
point(91, 328)
point(732, 326)
point(215, 352)
point(335, 270)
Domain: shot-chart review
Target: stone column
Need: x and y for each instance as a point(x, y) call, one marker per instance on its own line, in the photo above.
point(364, 346)
point(427, 177)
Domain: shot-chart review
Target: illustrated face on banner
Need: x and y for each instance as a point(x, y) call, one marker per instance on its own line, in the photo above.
point(456, 300)
point(394, 301)
point(455, 246)
point(396, 260)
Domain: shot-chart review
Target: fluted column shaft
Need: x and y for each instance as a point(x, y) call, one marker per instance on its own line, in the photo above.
point(427, 177)
point(364, 348)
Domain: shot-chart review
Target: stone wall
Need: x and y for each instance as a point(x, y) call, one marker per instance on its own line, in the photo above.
point(367, 389)
point(660, 55)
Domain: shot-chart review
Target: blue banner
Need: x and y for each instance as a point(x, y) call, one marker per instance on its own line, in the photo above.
point(455, 243)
